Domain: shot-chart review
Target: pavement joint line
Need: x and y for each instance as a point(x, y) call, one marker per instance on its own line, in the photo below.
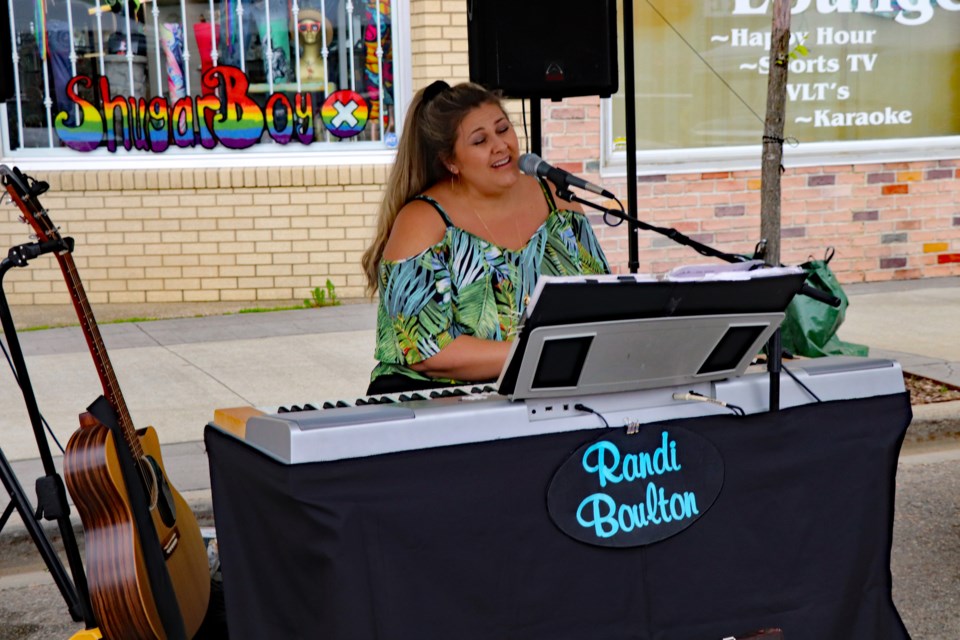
point(183, 358)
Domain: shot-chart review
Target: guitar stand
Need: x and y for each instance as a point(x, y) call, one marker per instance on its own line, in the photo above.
point(775, 343)
point(51, 494)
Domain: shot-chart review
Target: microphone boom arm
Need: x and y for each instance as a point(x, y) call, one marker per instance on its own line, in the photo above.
point(676, 236)
point(673, 234)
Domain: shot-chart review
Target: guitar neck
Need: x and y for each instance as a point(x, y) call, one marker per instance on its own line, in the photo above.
point(108, 379)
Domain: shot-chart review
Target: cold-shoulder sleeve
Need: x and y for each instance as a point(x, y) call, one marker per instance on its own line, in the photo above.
point(414, 316)
point(592, 259)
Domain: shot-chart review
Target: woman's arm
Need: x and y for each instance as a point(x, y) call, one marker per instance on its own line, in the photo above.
point(466, 358)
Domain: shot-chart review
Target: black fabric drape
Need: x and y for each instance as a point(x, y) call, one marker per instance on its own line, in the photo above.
point(456, 542)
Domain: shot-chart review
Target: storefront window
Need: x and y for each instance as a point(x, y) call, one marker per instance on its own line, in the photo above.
point(860, 70)
point(186, 75)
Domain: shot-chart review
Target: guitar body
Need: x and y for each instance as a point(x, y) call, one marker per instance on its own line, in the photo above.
point(116, 572)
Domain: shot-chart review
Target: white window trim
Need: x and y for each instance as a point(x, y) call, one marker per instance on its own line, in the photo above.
point(358, 153)
point(747, 158)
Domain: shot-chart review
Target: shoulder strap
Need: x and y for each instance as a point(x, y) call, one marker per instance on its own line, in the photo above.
point(546, 194)
point(436, 205)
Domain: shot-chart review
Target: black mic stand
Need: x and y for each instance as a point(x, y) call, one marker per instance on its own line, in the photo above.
point(775, 344)
point(51, 494)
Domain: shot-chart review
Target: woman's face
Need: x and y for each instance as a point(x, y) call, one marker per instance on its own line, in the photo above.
point(486, 150)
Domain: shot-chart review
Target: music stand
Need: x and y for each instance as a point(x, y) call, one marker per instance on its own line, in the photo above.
point(605, 334)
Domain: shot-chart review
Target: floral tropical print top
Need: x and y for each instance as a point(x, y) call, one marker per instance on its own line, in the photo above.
point(465, 285)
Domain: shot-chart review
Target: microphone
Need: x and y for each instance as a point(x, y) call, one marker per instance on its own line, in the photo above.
point(535, 166)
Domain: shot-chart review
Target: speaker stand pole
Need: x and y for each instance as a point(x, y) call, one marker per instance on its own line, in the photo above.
point(630, 110)
point(536, 127)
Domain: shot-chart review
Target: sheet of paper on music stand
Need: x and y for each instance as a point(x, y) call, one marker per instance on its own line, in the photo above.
point(605, 334)
point(745, 270)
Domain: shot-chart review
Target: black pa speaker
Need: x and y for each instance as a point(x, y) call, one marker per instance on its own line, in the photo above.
point(6, 57)
point(544, 48)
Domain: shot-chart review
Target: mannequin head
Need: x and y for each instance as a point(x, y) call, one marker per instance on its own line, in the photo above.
point(308, 22)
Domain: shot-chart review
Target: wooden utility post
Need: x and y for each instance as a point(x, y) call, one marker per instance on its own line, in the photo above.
point(773, 131)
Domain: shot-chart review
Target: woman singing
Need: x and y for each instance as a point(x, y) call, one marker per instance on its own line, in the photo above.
point(462, 238)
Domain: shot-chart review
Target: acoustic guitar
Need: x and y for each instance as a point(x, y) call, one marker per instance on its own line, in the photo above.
point(116, 570)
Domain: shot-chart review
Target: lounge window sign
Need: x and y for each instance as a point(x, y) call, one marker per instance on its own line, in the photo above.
point(858, 70)
point(628, 490)
point(224, 115)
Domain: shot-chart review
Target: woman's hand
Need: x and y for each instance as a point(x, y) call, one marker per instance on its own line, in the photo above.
point(466, 358)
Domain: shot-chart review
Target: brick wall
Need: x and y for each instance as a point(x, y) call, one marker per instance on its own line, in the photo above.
point(251, 234)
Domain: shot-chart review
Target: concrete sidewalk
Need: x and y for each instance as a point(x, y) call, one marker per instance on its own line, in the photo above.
point(175, 372)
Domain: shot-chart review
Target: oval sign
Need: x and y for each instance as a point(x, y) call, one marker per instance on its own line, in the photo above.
point(626, 490)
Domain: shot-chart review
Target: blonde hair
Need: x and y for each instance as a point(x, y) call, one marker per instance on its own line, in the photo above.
point(429, 133)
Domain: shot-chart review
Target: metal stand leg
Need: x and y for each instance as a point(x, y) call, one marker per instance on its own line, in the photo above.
point(20, 501)
point(52, 496)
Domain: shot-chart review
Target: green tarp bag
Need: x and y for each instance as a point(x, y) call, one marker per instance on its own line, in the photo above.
point(810, 326)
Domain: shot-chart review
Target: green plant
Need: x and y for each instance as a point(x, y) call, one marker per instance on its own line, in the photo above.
point(799, 50)
point(322, 297)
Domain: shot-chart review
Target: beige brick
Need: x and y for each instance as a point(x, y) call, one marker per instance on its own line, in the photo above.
point(200, 248)
point(201, 296)
point(198, 225)
point(144, 285)
point(272, 198)
point(144, 261)
point(273, 247)
point(219, 259)
point(255, 283)
point(178, 236)
point(217, 236)
point(145, 237)
point(326, 234)
point(166, 272)
point(181, 260)
point(333, 176)
point(291, 258)
point(126, 297)
point(274, 294)
point(239, 271)
point(234, 199)
point(296, 176)
point(238, 295)
point(254, 258)
point(164, 296)
point(161, 225)
point(235, 223)
point(201, 272)
point(258, 235)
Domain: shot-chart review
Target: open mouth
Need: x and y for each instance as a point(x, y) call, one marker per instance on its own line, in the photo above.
point(501, 163)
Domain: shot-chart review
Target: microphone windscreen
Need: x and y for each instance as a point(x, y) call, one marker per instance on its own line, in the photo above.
point(529, 162)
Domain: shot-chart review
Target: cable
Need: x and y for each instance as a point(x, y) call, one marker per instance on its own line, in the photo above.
point(3, 347)
point(526, 134)
point(793, 142)
point(582, 407)
point(704, 61)
point(693, 396)
point(797, 380)
point(619, 221)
